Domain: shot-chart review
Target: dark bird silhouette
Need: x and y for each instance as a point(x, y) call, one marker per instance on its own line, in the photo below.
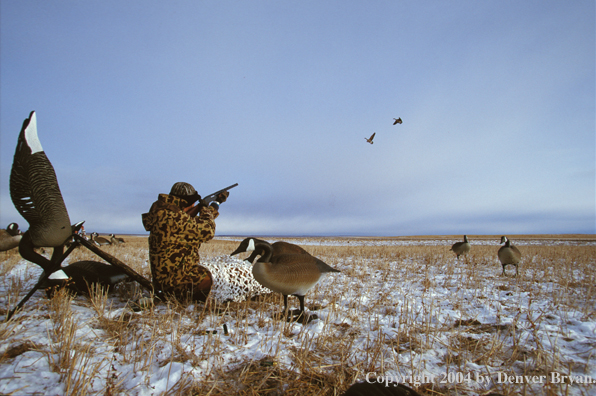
point(397, 121)
point(370, 139)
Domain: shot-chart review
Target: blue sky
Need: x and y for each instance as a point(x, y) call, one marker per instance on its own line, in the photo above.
point(497, 100)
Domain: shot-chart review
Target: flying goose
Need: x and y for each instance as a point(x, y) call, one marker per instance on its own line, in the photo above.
point(288, 274)
point(10, 237)
point(461, 248)
point(279, 248)
point(115, 240)
point(397, 121)
point(101, 241)
point(509, 254)
point(370, 139)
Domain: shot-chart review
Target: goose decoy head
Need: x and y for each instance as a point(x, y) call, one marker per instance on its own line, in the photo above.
point(13, 229)
point(247, 245)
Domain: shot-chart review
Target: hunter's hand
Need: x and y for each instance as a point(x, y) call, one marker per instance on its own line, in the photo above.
point(222, 197)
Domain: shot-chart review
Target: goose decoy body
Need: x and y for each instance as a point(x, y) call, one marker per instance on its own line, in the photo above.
point(10, 237)
point(288, 274)
point(370, 139)
point(83, 274)
point(509, 254)
point(115, 240)
point(101, 241)
point(461, 248)
point(279, 247)
point(397, 121)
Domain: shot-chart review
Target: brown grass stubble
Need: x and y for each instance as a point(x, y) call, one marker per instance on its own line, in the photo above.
point(328, 364)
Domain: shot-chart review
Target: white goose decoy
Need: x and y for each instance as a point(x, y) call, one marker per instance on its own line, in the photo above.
point(10, 237)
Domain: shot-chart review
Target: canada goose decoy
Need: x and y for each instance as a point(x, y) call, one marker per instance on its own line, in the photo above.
point(461, 248)
point(397, 121)
point(115, 240)
point(370, 139)
point(509, 254)
point(36, 195)
point(10, 237)
point(83, 274)
point(101, 241)
point(288, 274)
point(35, 192)
point(279, 248)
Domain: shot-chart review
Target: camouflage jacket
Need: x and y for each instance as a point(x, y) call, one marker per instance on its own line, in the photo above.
point(174, 242)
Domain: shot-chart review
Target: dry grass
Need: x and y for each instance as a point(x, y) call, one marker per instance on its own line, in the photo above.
point(380, 315)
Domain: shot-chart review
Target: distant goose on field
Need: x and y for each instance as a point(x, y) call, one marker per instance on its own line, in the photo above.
point(36, 196)
point(288, 274)
point(461, 248)
point(115, 240)
point(101, 241)
point(509, 254)
point(10, 237)
point(397, 121)
point(278, 248)
point(370, 139)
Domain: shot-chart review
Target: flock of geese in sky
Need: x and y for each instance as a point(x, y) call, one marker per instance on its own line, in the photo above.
point(370, 139)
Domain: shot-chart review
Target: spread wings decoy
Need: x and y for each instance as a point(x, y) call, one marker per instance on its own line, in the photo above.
point(36, 195)
point(34, 190)
point(370, 139)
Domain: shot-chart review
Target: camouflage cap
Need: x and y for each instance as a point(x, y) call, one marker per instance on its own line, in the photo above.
point(185, 191)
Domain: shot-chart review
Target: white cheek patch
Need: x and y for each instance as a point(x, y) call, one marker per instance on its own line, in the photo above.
point(58, 275)
point(251, 245)
point(31, 135)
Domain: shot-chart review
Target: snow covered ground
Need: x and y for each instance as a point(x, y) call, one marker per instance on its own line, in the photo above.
point(438, 324)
